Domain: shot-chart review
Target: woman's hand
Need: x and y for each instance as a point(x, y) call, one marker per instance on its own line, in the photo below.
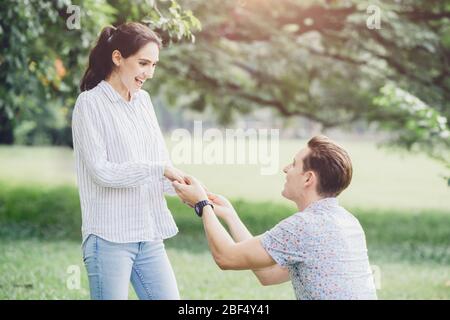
point(222, 207)
point(192, 192)
point(174, 174)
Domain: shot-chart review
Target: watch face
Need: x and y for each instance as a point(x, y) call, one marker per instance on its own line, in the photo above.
point(197, 210)
point(199, 207)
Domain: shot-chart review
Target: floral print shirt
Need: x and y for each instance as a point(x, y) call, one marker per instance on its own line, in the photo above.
point(324, 249)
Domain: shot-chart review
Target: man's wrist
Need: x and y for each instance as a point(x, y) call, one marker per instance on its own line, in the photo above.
point(199, 206)
point(207, 208)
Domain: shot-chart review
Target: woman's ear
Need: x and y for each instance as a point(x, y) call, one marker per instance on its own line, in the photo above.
point(116, 57)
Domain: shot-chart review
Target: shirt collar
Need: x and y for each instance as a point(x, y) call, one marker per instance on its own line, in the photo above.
point(325, 203)
point(112, 94)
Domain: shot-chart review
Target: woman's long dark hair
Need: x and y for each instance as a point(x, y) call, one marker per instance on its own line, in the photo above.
point(128, 38)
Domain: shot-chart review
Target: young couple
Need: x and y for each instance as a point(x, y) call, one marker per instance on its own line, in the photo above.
point(124, 171)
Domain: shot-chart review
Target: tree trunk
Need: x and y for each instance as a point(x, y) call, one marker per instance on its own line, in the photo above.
point(6, 129)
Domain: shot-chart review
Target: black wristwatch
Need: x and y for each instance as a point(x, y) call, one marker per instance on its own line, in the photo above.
point(200, 205)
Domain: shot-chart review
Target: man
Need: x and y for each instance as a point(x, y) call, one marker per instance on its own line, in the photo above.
point(321, 248)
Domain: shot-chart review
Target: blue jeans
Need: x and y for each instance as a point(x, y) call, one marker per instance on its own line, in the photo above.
point(111, 266)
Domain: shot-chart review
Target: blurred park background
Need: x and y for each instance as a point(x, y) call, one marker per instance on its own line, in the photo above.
point(373, 75)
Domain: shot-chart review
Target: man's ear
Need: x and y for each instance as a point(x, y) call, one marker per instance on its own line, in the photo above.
point(310, 178)
point(116, 57)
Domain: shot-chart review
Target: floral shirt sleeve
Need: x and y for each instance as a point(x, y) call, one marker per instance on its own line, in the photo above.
point(287, 242)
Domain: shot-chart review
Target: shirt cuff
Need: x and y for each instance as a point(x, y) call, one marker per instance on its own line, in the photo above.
point(157, 171)
point(168, 187)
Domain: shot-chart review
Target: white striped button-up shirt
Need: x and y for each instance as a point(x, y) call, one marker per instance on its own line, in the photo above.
point(120, 157)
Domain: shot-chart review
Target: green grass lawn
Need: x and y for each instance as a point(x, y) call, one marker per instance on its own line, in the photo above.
point(38, 269)
point(402, 204)
point(382, 179)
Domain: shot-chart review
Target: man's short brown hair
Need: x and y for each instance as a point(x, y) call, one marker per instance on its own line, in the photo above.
point(331, 163)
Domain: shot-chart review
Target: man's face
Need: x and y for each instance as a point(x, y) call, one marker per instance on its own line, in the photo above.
point(295, 177)
point(135, 69)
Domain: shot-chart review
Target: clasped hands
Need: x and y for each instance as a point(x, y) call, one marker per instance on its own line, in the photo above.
point(191, 191)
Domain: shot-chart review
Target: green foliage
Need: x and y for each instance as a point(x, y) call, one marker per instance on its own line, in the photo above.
point(177, 25)
point(418, 126)
point(40, 65)
point(419, 122)
point(319, 60)
point(42, 59)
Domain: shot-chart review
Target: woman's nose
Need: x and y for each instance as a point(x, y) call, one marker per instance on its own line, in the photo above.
point(149, 73)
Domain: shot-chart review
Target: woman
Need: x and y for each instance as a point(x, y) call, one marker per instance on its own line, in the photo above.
point(123, 169)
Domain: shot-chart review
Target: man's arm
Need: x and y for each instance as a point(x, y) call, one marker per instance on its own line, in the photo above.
point(248, 254)
point(223, 209)
point(229, 255)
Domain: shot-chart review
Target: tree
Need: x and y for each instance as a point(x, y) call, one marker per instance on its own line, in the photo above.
point(44, 54)
point(322, 60)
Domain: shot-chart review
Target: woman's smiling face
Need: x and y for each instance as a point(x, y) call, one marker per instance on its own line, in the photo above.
point(134, 70)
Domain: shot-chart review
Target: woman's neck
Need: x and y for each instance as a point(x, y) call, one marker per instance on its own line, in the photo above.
point(114, 80)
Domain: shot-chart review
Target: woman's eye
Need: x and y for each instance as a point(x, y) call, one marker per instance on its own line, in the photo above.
point(143, 63)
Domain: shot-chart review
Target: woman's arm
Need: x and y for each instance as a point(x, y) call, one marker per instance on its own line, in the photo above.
point(86, 127)
point(167, 183)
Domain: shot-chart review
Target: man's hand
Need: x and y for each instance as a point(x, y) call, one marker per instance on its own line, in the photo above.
point(174, 174)
point(192, 192)
point(222, 207)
